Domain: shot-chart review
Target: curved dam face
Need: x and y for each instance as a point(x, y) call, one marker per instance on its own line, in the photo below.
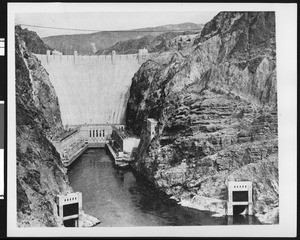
point(91, 89)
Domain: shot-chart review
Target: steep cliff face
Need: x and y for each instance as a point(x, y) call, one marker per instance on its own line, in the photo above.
point(40, 173)
point(217, 113)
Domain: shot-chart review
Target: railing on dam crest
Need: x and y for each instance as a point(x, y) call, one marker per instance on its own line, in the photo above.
point(112, 58)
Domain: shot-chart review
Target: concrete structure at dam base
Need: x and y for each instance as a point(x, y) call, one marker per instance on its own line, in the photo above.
point(120, 143)
point(83, 137)
point(122, 146)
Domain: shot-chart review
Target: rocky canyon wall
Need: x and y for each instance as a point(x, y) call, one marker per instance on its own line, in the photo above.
point(216, 107)
point(91, 89)
point(40, 173)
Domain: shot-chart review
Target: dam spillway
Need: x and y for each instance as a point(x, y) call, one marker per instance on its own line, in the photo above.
point(91, 89)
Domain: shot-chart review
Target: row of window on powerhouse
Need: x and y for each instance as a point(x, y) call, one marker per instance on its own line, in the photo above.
point(102, 132)
point(97, 133)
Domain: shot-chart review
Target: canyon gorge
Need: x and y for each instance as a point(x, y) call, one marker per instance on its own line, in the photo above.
point(214, 98)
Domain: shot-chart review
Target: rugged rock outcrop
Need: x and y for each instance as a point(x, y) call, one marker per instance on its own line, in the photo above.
point(216, 108)
point(40, 173)
point(33, 42)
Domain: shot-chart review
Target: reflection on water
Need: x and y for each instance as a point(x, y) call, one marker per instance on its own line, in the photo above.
point(120, 197)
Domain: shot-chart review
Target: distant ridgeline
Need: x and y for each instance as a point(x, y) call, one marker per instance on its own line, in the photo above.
point(125, 42)
point(92, 89)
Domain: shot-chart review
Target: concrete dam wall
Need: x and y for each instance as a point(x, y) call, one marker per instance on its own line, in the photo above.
point(91, 89)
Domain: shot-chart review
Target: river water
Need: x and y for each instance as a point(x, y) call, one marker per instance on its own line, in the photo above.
point(120, 197)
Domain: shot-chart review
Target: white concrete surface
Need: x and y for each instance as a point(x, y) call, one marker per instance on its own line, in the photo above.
point(91, 89)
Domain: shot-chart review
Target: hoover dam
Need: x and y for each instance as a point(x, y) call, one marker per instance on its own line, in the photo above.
point(91, 89)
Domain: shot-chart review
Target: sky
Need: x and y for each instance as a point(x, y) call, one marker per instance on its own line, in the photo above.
point(105, 20)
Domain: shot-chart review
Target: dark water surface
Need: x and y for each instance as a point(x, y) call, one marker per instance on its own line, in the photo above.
point(119, 197)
